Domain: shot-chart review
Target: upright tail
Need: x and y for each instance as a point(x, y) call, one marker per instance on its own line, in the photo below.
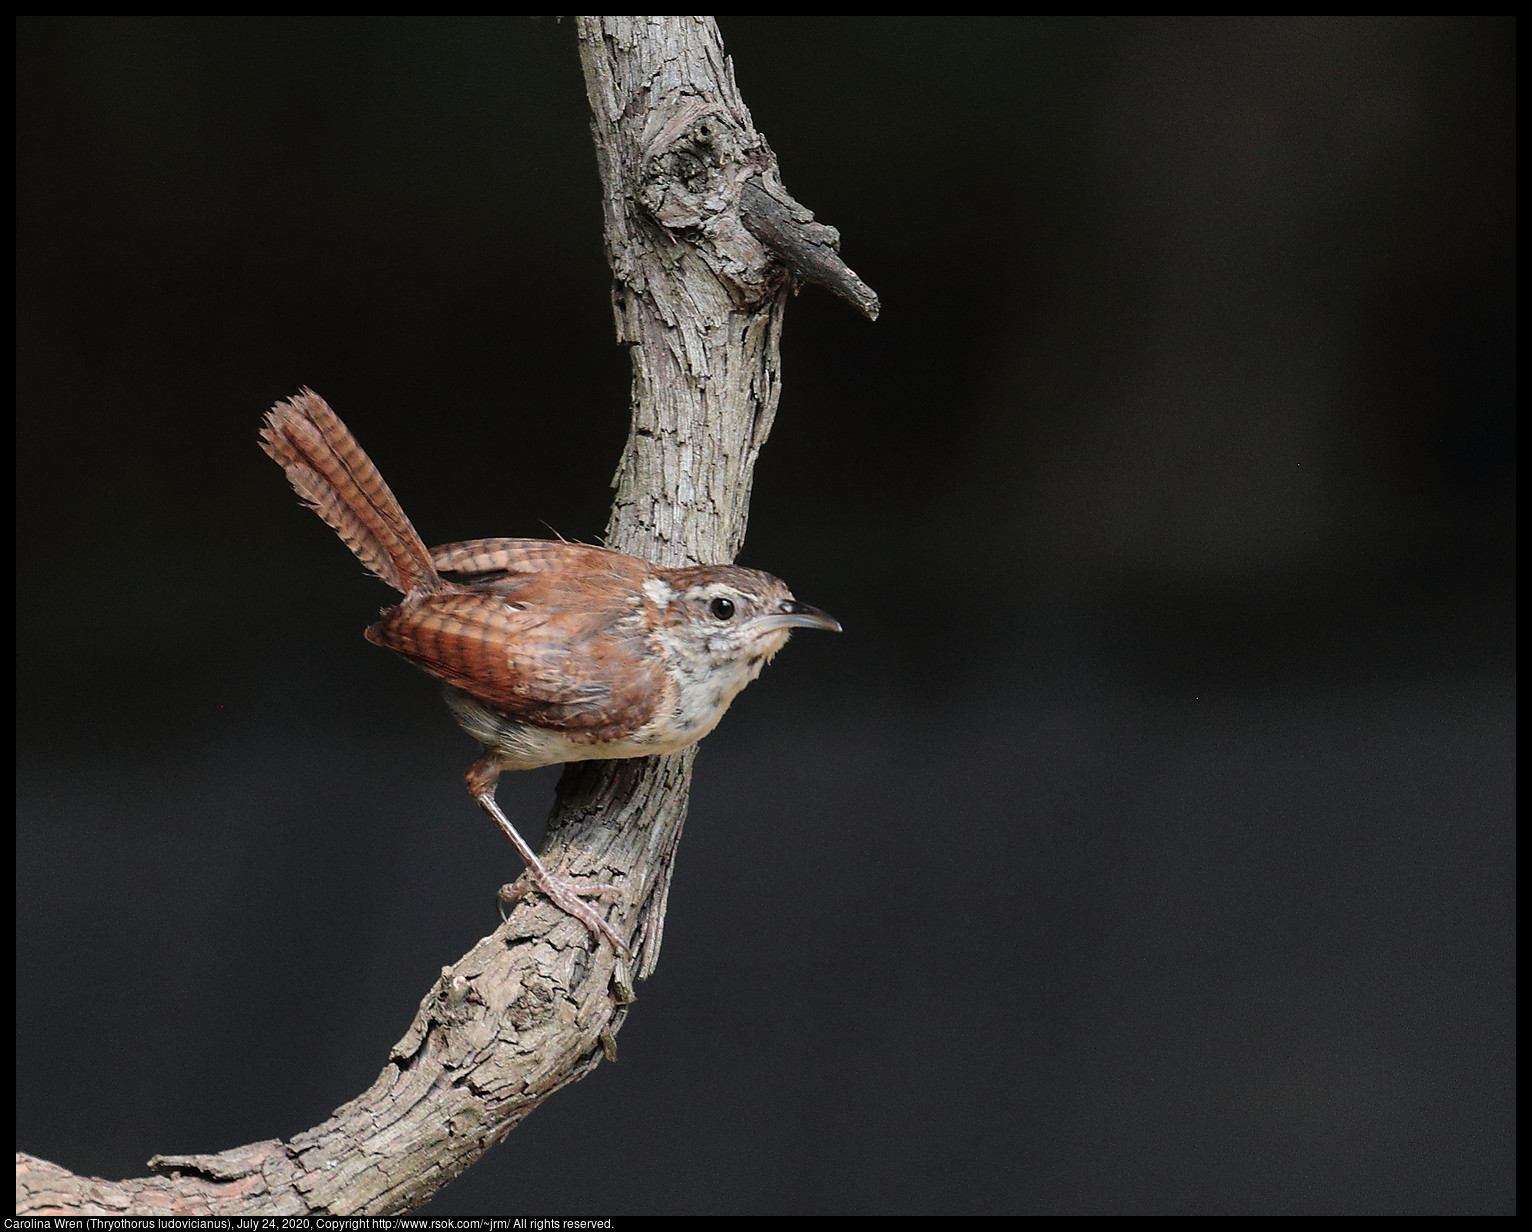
point(338, 481)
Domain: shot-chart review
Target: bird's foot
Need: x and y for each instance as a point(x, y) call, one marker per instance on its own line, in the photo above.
point(567, 895)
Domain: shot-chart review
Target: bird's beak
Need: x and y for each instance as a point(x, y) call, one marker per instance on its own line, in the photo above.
point(795, 615)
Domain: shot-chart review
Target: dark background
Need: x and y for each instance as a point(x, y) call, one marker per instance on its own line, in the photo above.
point(1144, 845)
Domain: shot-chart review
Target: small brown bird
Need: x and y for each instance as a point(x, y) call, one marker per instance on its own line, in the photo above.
point(551, 651)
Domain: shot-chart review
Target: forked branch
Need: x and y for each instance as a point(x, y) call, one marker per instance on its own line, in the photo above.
point(704, 244)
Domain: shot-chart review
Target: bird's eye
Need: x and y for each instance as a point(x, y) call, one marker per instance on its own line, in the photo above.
point(722, 608)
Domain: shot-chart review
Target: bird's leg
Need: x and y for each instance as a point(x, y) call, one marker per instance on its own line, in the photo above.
point(558, 889)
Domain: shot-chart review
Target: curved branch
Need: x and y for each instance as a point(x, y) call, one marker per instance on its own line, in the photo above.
point(533, 1007)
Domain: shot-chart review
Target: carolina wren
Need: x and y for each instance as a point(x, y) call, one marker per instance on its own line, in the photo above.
point(551, 651)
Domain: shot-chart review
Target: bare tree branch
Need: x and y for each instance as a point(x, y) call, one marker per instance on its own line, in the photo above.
point(699, 284)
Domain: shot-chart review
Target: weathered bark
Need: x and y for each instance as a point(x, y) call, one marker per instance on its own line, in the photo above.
point(698, 293)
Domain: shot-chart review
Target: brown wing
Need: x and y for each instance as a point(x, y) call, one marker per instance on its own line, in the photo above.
point(577, 664)
point(475, 560)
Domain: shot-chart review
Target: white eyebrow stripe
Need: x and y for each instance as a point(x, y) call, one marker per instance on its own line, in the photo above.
point(713, 590)
point(658, 591)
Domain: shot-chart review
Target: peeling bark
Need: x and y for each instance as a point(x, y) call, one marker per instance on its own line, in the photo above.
point(704, 244)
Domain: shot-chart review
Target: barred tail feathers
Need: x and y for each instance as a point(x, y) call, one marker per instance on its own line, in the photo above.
point(337, 480)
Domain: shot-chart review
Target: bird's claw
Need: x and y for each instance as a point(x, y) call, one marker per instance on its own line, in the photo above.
point(566, 895)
